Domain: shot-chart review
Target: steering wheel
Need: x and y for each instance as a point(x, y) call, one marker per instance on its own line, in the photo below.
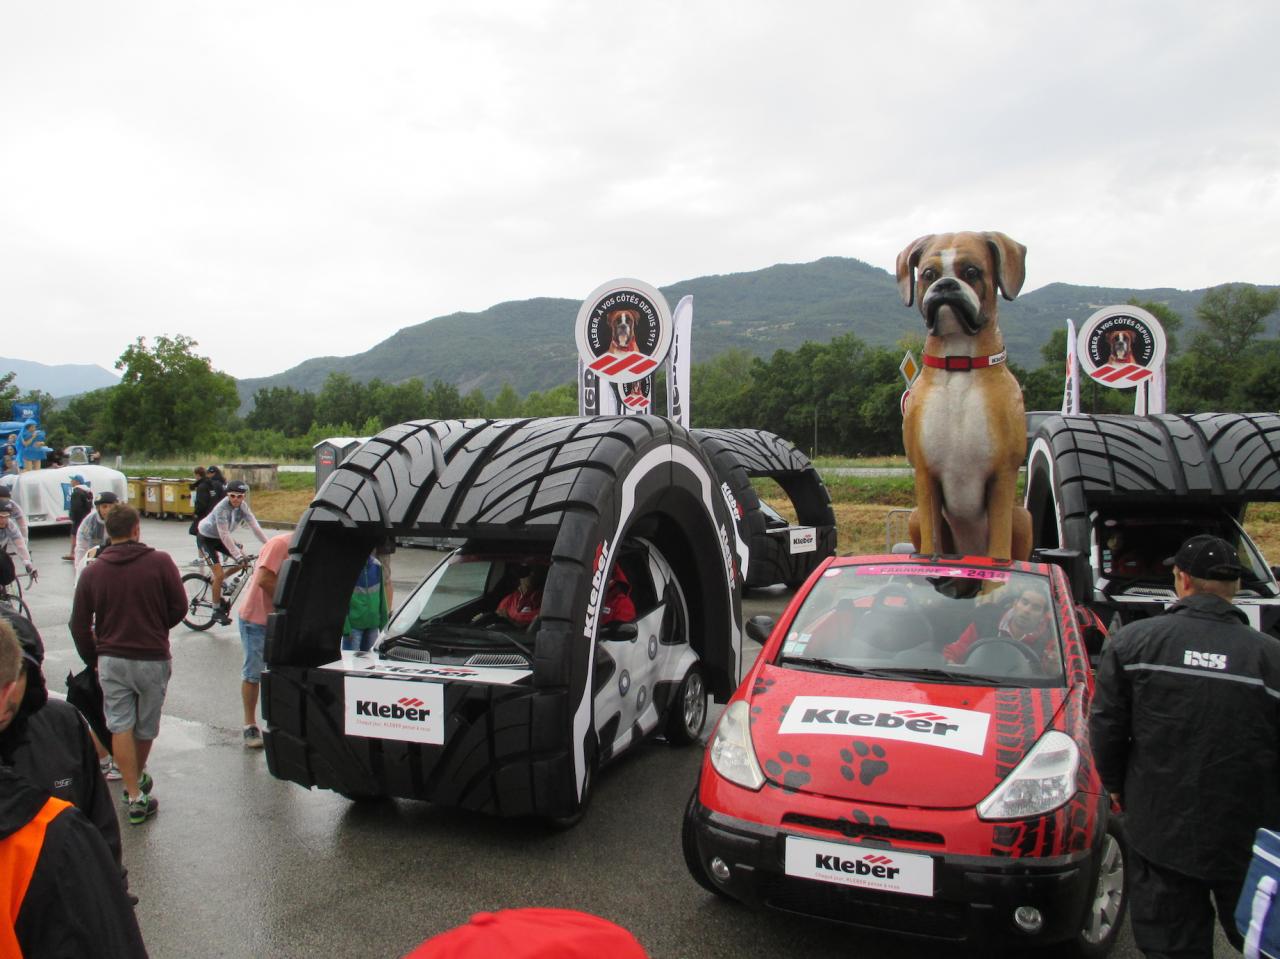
point(1031, 656)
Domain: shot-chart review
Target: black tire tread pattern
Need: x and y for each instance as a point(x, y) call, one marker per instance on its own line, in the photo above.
point(1225, 458)
point(742, 454)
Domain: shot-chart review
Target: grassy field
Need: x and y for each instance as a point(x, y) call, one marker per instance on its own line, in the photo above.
point(863, 505)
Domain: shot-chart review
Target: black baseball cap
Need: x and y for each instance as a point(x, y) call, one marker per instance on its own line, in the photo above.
point(106, 496)
point(1207, 557)
point(237, 486)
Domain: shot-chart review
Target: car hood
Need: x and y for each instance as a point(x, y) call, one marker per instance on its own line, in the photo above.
point(893, 742)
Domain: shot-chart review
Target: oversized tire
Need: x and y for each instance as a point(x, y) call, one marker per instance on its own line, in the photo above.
point(202, 611)
point(575, 486)
point(739, 455)
point(1078, 463)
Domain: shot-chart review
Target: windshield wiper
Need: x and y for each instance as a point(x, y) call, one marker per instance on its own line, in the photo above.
point(949, 676)
point(833, 666)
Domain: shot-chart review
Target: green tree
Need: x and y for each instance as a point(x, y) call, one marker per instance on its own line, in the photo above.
point(85, 419)
point(398, 402)
point(558, 401)
point(285, 409)
point(444, 402)
point(1233, 316)
point(506, 405)
point(8, 392)
point(343, 400)
point(720, 390)
point(1170, 321)
point(169, 399)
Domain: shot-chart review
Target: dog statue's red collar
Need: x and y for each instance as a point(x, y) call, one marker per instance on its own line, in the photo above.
point(963, 364)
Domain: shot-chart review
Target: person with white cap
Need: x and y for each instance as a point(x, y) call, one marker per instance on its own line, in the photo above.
point(216, 537)
point(92, 535)
point(1185, 725)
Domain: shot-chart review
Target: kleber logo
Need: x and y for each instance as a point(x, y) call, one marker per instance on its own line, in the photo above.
point(394, 709)
point(804, 539)
point(598, 583)
point(848, 865)
point(1204, 660)
point(961, 729)
point(726, 554)
point(624, 330)
point(731, 501)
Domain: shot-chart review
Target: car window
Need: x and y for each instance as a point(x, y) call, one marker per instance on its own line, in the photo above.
point(1133, 544)
point(913, 618)
point(455, 583)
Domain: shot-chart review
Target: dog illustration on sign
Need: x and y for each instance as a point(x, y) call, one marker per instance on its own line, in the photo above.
point(1120, 343)
point(622, 331)
point(963, 425)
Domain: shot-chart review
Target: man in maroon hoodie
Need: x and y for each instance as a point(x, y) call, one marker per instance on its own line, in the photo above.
point(125, 604)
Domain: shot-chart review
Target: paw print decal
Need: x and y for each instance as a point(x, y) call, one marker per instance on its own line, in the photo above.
point(793, 777)
point(762, 686)
point(858, 762)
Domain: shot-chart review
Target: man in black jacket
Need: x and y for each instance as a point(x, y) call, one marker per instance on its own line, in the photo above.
point(79, 506)
point(56, 873)
point(1186, 734)
point(47, 741)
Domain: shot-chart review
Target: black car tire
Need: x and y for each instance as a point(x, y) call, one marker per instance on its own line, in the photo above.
point(1104, 912)
point(687, 712)
point(738, 455)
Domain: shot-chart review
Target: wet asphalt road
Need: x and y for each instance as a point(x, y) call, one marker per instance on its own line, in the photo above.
point(239, 864)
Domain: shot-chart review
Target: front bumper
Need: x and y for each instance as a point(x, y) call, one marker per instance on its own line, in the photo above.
point(974, 898)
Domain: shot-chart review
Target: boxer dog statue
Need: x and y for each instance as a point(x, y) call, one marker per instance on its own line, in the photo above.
point(964, 426)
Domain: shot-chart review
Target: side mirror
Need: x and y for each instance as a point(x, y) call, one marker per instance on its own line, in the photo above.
point(1093, 632)
point(759, 628)
point(619, 631)
point(1075, 564)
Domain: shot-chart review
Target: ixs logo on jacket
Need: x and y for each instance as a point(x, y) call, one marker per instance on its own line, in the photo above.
point(947, 728)
point(1204, 660)
point(394, 709)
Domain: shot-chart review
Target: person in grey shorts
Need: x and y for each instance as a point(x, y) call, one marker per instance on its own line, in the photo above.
point(125, 604)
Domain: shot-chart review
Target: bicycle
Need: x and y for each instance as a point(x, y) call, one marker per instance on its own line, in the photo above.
point(202, 607)
point(14, 601)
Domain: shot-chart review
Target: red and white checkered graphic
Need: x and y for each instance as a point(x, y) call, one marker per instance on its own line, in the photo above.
point(610, 365)
point(1129, 373)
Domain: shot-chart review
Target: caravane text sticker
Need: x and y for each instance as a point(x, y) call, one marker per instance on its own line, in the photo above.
point(871, 868)
point(394, 709)
point(952, 572)
point(943, 726)
point(367, 664)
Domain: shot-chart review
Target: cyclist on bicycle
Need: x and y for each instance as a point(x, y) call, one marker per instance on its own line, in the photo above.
point(11, 536)
point(215, 537)
point(16, 514)
point(92, 534)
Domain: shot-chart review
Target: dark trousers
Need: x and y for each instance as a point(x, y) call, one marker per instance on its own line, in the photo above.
point(1172, 914)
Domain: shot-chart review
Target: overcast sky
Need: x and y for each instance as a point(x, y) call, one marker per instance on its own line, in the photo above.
point(286, 180)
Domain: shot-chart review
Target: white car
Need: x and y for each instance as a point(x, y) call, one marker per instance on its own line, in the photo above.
point(45, 494)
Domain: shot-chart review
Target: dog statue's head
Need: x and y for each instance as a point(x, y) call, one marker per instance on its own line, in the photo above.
point(954, 278)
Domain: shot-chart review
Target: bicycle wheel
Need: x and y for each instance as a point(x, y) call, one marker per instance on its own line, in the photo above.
point(15, 604)
point(202, 611)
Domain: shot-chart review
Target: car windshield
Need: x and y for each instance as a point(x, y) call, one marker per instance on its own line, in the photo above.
point(1132, 545)
point(929, 623)
point(472, 603)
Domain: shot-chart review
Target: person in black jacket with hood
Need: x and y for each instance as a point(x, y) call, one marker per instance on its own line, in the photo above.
point(1185, 725)
point(57, 876)
point(47, 741)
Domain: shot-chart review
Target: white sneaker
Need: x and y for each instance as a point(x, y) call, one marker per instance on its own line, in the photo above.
point(110, 770)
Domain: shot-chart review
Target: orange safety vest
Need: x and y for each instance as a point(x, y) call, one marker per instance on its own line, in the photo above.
point(18, 855)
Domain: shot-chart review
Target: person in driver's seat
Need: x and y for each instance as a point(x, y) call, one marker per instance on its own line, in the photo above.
point(618, 607)
point(1027, 621)
point(521, 606)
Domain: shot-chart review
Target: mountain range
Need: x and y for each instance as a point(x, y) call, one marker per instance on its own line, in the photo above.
point(530, 343)
point(61, 380)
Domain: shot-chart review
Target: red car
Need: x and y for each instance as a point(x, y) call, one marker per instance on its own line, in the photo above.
point(910, 752)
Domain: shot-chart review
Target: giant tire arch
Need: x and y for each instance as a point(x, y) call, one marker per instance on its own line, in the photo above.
point(1078, 463)
point(577, 486)
point(741, 454)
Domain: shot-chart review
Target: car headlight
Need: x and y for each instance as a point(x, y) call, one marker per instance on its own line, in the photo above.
point(732, 754)
point(1043, 781)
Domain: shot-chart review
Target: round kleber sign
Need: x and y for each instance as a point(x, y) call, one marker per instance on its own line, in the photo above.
point(1121, 346)
point(624, 330)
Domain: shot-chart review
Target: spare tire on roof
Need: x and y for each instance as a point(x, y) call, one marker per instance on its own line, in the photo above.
point(578, 487)
point(1078, 463)
point(741, 455)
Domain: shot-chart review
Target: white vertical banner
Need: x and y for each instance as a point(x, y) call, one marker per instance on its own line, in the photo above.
point(1071, 388)
point(678, 363)
point(608, 399)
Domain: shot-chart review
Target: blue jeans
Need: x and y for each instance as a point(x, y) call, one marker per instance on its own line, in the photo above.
point(360, 640)
point(253, 638)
